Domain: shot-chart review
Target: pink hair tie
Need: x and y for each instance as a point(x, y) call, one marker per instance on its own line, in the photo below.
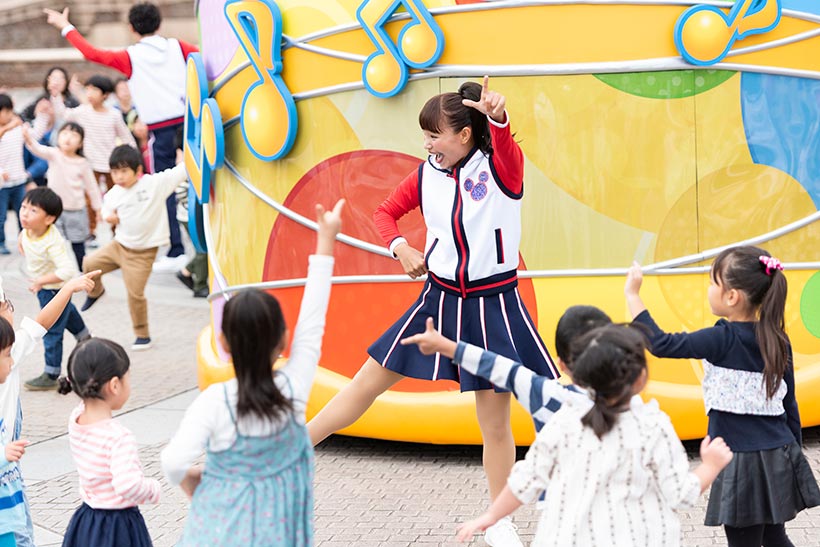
point(771, 264)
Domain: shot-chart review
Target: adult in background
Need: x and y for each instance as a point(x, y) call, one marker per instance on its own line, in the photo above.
point(155, 68)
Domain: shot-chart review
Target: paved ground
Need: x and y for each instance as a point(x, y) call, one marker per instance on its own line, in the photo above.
point(368, 493)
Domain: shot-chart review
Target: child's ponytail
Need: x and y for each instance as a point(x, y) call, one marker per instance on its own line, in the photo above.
point(759, 276)
point(608, 361)
point(770, 332)
point(91, 365)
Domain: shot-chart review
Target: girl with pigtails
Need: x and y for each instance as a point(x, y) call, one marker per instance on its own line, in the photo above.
point(748, 391)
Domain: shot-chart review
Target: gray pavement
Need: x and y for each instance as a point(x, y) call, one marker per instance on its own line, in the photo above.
point(368, 493)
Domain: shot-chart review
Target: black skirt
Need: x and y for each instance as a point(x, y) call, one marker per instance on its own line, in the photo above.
point(762, 487)
point(91, 527)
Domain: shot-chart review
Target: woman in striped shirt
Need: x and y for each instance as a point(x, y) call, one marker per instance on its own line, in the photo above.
point(112, 484)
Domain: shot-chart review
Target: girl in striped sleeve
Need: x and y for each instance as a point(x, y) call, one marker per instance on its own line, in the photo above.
point(112, 484)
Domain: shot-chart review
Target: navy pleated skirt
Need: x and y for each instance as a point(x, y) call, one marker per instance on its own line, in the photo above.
point(762, 487)
point(107, 528)
point(499, 323)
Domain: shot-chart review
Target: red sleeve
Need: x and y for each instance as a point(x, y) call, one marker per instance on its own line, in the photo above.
point(118, 60)
point(187, 48)
point(508, 159)
point(403, 199)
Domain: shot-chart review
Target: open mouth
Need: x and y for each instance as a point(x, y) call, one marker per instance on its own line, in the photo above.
point(439, 157)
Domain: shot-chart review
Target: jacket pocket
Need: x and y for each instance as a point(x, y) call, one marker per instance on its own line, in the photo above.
point(499, 246)
point(429, 252)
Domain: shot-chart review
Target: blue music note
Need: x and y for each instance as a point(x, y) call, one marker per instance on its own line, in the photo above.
point(204, 140)
point(420, 44)
point(268, 116)
point(704, 35)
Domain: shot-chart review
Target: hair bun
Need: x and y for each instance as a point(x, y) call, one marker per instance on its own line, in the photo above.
point(470, 90)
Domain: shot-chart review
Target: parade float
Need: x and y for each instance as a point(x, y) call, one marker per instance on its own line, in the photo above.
point(654, 130)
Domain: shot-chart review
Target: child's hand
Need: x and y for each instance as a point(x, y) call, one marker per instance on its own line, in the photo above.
point(330, 224)
point(466, 531)
point(84, 282)
point(75, 86)
point(191, 480)
point(5, 176)
point(15, 450)
point(715, 453)
point(44, 108)
point(634, 279)
point(490, 104)
point(34, 286)
point(431, 341)
point(57, 19)
point(112, 219)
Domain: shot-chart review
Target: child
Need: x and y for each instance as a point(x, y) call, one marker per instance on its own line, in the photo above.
point(14, 347)
point(748, 390)
point(612, 459)
point(124, 104)
point(70, 177)
point(112, 484)
point(13, 175)
point(50, 266)
point(542, 396)
point(136, 207)
point(469, 190)
point(257, 485)
point(104, 130)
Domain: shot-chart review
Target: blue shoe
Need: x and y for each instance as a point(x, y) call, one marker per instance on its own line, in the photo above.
point(90, 301)
point(141, 344)
point(4, 250)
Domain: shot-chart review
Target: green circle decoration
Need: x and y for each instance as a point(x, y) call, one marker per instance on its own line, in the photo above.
point(810, 305)
point(668, 84)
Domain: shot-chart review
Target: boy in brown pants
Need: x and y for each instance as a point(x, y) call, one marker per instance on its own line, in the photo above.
point(136, 206)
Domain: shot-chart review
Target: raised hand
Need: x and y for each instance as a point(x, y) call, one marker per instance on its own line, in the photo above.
point(56, 18)
point(490, 103)
point(330, 224)
point(634, 279)
point(466, 531)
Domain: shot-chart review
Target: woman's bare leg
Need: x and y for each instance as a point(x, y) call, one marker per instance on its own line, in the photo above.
point(493, 411)
point(351, 402)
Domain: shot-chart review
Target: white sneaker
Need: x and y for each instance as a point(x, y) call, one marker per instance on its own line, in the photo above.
point(502, 534)
point(170, 265)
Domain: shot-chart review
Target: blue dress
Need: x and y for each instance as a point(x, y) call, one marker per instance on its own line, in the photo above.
point(257, 493)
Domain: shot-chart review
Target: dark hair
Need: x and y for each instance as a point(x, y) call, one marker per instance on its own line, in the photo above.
point(103, 83)
point(447, 110)
point(609, 361)
point(91, 365)
point(144, 18)
point(5, 102)
point(6, 334)
point(77, 128)
point(253, 325)
point(46, 199)
point(576, 321)
point(125, 156)
point(65, 92)
point(740, 268)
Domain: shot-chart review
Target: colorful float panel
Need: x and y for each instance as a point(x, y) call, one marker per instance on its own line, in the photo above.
point(632, 153)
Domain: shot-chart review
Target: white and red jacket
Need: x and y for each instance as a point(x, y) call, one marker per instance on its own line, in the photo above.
point(473, 216)
point(155, 68)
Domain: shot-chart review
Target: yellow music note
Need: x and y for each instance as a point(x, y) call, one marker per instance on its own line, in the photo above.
point(420, 44)
point(268, 116)
point(704, 35)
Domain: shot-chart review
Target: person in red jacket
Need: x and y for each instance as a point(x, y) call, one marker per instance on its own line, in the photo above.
point(155, 68)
